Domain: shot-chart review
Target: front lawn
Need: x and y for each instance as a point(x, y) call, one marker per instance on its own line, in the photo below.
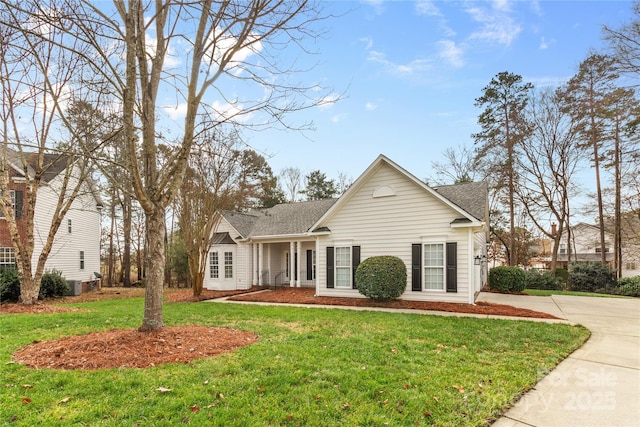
point(310, 367)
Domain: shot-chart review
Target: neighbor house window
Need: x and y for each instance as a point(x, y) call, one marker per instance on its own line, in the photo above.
point(81, 260)
point(433, 266)
point(69, 225)
point(563, 248)
point(7, 257)
point(343, 267)
point(13, 201)
point(214, 265)
point(228, 265)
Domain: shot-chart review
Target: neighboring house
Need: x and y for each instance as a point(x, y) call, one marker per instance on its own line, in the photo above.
point(585, 246)
point(76, 247)
point(440, 233)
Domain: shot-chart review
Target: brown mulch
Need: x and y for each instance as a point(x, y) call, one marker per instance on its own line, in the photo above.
point(306, 296)
point(132, 349)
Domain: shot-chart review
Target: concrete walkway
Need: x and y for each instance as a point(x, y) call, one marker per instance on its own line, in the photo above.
point(597, 385)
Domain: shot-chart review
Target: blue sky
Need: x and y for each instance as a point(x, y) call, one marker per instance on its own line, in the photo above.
point(411, 70)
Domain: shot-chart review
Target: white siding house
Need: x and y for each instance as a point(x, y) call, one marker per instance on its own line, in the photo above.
point(439, 233)
point(76, 245)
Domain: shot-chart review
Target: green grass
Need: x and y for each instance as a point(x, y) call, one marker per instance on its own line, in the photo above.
point(311, 367)
point(546, 293)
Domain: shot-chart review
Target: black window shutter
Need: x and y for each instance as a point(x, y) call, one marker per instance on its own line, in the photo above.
point(452, 267)
point(416, 267)
point(330, 267)
point(355, 262)
point(309, 264)
point(18, 207)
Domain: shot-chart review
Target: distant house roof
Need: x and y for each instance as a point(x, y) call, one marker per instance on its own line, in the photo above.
point(283, 219)
point(471, 197)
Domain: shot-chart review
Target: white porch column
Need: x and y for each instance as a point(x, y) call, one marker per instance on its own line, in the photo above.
point(292, 281)
point(298, 258)
point(318, 266)
point(254, 267)
point(260, 262)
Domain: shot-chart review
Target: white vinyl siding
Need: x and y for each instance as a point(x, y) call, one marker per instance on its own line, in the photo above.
point(343, 267)
point(434, 268)
point(64, 254)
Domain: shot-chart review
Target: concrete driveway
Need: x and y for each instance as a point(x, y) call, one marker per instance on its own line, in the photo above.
point(597, 385)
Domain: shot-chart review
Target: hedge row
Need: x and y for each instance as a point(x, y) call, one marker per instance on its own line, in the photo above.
point(583, 277)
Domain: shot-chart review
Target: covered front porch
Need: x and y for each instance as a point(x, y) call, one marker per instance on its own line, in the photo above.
point(284, 263)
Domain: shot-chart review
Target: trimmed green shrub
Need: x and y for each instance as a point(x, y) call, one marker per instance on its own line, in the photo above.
point(53, 284)
point(563, 275)
point(542, 279)
point(9, 285)
point(381, 277)
point(591, 277)
point(506, 279)
point(629, 286)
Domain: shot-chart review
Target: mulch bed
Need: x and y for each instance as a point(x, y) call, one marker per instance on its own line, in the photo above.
point(306, 296)
point(132, 349)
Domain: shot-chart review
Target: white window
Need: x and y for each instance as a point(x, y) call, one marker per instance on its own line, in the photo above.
point(343, 267)
point(434, 268)
point(13, 201)
point(214, 265)
point(7, 257)
point(81, 260)
point(228, 265)
point(313, 262)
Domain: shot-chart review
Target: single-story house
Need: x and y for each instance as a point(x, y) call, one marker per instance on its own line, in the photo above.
point(440, 233)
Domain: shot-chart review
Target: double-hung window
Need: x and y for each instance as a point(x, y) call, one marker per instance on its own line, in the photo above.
point(7, 257)
point(434, 267)
point(81, 260)
point(343, 267)
point(228, 265)
point(214, 266)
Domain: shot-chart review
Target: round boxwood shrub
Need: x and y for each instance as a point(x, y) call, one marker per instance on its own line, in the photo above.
point(381, 277)
point(629, 286)
point(53, 284)
point(506, 279)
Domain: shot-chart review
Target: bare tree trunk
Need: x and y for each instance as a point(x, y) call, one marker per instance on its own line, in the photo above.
point(126, 235)
point(112, 230)
point(154, 258)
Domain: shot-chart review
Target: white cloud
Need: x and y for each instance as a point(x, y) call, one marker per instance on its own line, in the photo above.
point(338, 118)
point(370, 106)
point(544, 44)
point(230, 111)
point(176, 111)
point(496, 24)
point(328, 101)
point(451, 53)
point(368, 42)
point(427, 7)
point(220, 44)
point(414, 67)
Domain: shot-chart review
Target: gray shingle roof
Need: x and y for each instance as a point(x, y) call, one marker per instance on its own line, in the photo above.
point(286, 218)
point(471, 197)
point(240, 221)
